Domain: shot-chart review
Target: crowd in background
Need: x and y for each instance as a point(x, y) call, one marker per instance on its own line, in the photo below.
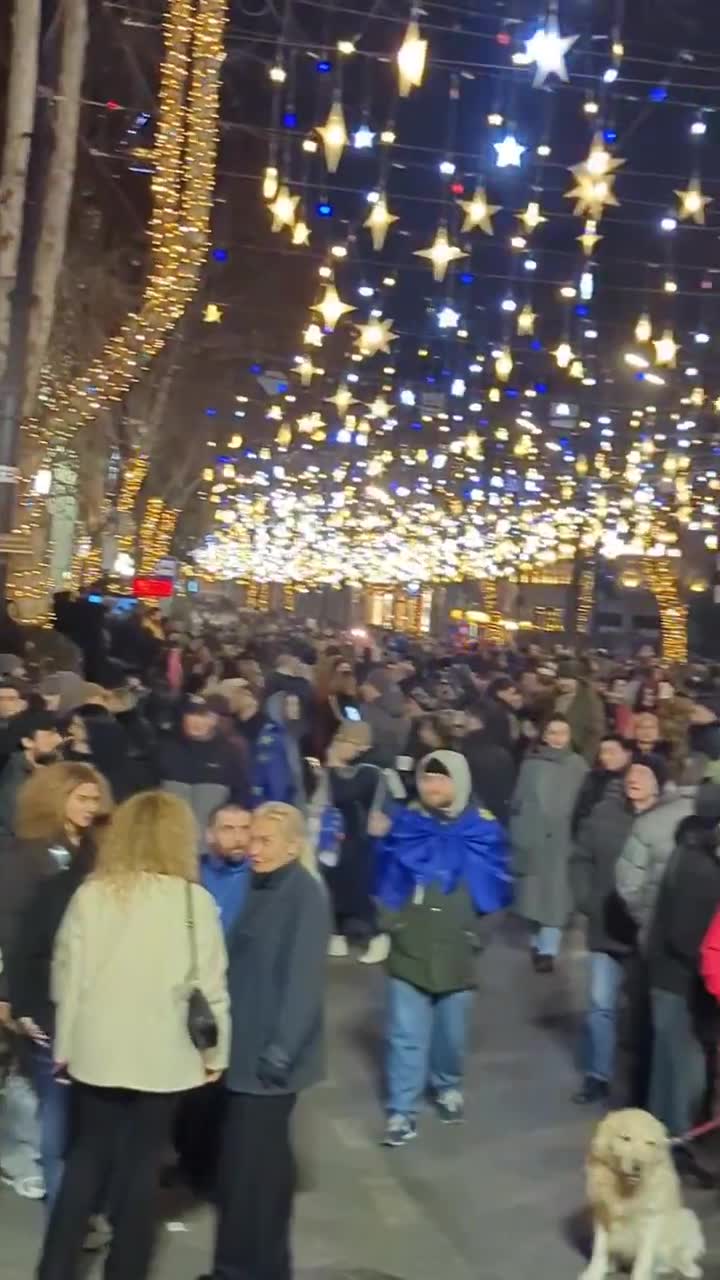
point(194, 818)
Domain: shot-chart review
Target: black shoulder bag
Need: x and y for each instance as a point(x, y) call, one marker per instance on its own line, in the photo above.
point(201, 1024)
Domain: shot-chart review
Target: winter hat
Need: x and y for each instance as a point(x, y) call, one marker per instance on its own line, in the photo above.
point(452, 765)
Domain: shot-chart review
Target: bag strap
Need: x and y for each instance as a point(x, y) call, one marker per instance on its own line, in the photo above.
point(190, 920)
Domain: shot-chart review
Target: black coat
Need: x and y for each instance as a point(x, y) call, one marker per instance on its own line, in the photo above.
point(492, 770)
point(688, 900)
point(351, 881)
point(277, 952)
point(598, 845)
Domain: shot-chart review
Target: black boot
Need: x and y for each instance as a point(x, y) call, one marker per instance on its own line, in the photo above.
point(593, 1090)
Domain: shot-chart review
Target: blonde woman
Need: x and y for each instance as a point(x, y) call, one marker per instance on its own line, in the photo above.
point(122, 976)
point(59, 811)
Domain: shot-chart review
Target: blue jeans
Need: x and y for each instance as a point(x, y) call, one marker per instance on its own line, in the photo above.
point(600, 1024)
point(546, 939)
point(53, 1111)
point(678, 1074)
point(19, 1134)
point(425, 1043)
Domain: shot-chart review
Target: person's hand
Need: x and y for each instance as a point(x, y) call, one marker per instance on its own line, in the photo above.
point(60, 1072)
point(378, 823)
point(33, 1031)
point(5, 1018)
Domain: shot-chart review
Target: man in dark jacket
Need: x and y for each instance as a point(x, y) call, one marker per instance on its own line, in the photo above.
point(614, 760)
point(600, 841)
point(37, 743)
point(200, 766)
point(276, 980)
point(492, 768)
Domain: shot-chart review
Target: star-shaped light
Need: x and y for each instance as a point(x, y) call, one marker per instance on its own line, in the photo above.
point(478, 213)
point(532, 217)
point(379, 222)
point(547, 50)
point(526, 320)
point(592, 195)
point(411, 60)
point(331, 307)
point(379, 408)
point(212, 313)
point(301, 233)
point(564, 355)
point(334, 135)
point(693, 202)
point(363, 138)
point(283, 209)
point(313, 335)
point(448, 318)
point(589, 238)
point(504, 365)
point(643, 328)
point(441, 253)
point(508, 152)
point(342, 399)
point(666, 349)
point(307, 370)
point(375, 336)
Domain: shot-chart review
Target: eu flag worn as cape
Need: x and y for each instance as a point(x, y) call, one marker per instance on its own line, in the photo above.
point(469, 849)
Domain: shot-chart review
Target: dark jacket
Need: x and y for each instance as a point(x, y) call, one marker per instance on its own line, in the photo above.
point(599, 843)
point(493, 774)
point(31, 952)
point(204, 773)
point(434, 941)
point(276, 978)
point(592, 792)
point(688, 899)
point(23, 864)
point(16, 771)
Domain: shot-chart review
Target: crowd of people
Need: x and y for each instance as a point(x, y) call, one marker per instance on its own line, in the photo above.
point(190, 839)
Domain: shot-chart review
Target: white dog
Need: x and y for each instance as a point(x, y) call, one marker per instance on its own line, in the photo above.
point(638, 1214)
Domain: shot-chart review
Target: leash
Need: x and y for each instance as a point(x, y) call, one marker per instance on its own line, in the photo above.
point(699, 1132)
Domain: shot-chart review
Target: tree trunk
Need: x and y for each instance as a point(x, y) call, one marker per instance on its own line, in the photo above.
point(58, 195)
point(22, 92)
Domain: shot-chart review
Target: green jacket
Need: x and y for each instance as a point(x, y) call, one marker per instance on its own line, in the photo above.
point(434, 941)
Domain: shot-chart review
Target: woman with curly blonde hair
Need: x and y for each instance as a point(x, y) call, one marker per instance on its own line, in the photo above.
point(58, 815)
point(140, 935)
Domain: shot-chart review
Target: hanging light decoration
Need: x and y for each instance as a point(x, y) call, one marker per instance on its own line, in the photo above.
point(342, 399)
point(375, 336)
point(283, 209)
point(666, 349)
point(411, 59)
point(564, 355)
point(589, 238)
point(301, 233)
point(692, 202)
point(334, 135)
point(331, 307)
point(270, 183)
point(441, 253)
point(595, 179)
point(213, 313)
point(478, 213)
point(379, 222)
point(547, 49)
point(526, 321)
point(532, 217)
point(643, 328)
point(504, 364)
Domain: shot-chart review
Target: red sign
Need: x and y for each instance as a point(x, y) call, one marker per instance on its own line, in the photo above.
point(152, 588)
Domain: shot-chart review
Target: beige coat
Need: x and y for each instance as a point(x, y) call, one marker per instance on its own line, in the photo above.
point(121, 982)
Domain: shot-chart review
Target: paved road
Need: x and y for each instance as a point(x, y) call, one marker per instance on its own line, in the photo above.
point(499, 1199)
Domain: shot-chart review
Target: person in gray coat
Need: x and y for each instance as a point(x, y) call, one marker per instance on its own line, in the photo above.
point(276, 978)
point(383, 708)
point(541, 836)
point(651, 841)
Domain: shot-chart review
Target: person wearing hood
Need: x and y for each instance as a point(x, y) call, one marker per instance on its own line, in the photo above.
point(684, 1022)
point(278, 772)
point(492, 767)
point(441, 865)
point(199, 766)
point(383, 708)
point(541, 834)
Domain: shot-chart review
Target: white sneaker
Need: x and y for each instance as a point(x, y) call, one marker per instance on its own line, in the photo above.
point(30, 1188)
point(338, 946)
point(378, 950)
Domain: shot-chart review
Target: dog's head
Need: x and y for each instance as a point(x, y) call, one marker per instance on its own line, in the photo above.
point(631, 1143)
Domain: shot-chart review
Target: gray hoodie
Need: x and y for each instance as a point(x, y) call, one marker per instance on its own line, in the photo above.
point(647, 851)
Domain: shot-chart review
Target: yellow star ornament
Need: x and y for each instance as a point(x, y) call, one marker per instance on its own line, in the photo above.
point(478, 213)
point(692, 202)
point(331, 307)
point(441, 253)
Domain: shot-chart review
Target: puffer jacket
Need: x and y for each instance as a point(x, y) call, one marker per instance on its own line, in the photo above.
point(688, 898)
point(646, 853)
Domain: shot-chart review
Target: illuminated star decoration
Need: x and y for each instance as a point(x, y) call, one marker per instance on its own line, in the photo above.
point(411, 60)
point(595, 179)
point(509, 153)
point(547, 50)
point(313, 336)
point(379, 222)
point(532, 217)
point(342, 400)
point(478, 213)
point(331, 307)
point(441, 253)
point(504, 364)
point(334, 135)
point(693, 202)
point(301, 233)
point(666, 349)
point(643, 328)
point(526, 321)
point(563, 355)
point(589, 238)
point(283, 209)
point(212, 313)
point(448, 318)
point(307, 370)
point(375, 336)
point(379, 408)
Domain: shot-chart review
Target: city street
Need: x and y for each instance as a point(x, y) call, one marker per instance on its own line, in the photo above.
point(498, 1199)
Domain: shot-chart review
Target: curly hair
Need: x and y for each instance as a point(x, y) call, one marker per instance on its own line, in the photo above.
point(152, 832)
point(42, 800)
